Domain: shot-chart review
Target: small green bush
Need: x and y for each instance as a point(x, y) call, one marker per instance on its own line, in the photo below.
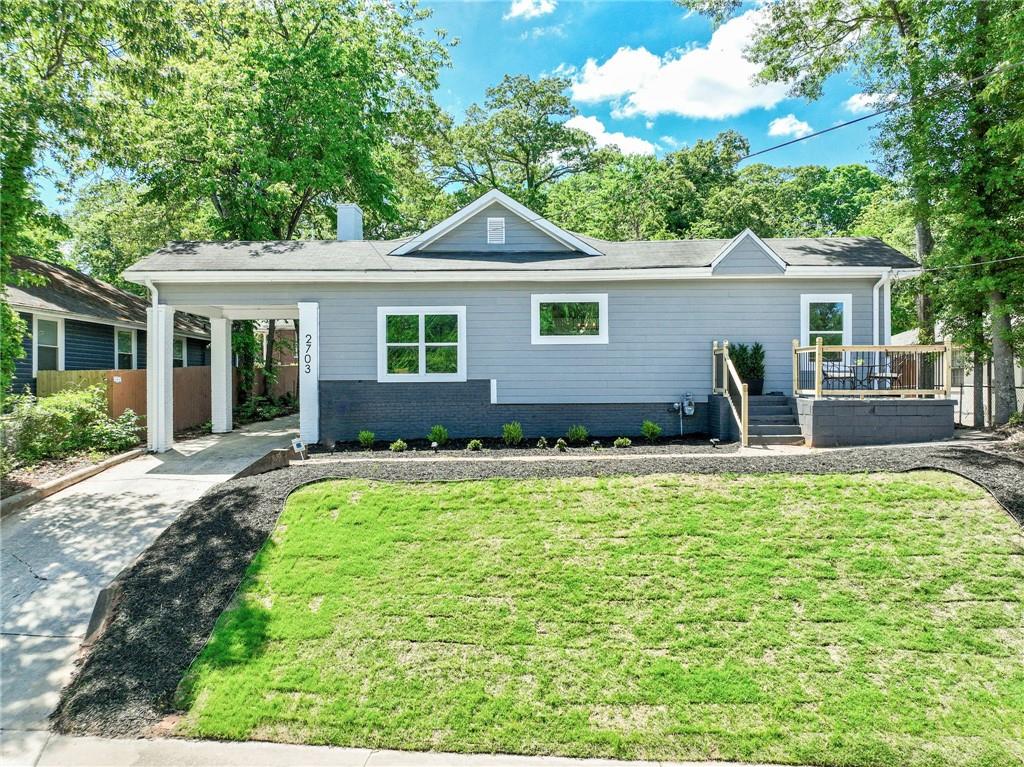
point(650, 430)
point(577, 434)
point(474, 445)
point(623, 442)
point(542, 442)
point(366, 438)
point(397, 446)
point(512, 433)
point(561, 446)
point(438, 434)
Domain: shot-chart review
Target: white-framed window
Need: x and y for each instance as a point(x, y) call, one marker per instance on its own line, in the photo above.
point(828, 316)
point(421, 343)
point(124, 349)
point(569, 318)
point(496, 230)
point(47, 343)
point(180, 355)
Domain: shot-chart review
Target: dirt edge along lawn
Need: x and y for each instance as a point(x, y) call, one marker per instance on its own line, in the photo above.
point(871, 619)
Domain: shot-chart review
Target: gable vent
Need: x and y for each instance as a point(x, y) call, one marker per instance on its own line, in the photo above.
point(496, 231)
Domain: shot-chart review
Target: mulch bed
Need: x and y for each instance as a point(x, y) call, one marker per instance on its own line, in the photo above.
point(174, 593)
point(27, 477)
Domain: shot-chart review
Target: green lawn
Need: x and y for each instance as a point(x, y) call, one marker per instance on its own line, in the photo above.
point(848, 620)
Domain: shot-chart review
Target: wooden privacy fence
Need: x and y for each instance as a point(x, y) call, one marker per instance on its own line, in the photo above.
point(127, 389)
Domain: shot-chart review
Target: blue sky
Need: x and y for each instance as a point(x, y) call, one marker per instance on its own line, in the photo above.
point(650, 71)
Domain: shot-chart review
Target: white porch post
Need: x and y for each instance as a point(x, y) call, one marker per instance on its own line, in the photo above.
point(220, 375)
point(160, 377)
point(309, 371)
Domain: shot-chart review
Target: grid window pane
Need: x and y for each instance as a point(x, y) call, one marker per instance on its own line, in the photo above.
point(826, 317)
point(46, 334)
point(404, 360)
point(577, 318)
point(124, 342)
point(403, 329)
point(442, 359)
point(124, 361)
point(827, 339)
point(46, 357)
point(441, 328)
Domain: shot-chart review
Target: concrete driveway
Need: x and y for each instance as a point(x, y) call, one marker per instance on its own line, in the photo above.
point(58, 554)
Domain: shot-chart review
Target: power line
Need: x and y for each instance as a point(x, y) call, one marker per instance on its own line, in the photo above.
point(969, 265)
point(908, 102)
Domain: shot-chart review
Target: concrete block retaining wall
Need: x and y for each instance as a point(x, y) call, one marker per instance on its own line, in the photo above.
point(851, 422)
point(408, 410)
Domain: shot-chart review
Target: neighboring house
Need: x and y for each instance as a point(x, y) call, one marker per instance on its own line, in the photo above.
point(285, 348)
point(496, 314)
point(76, 322)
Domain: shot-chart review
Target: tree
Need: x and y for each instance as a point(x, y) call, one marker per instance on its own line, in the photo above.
point(694, 173)
point(517, 141)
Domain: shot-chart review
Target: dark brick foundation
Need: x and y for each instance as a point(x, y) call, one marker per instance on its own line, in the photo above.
point(408, 410)
point(850, 422)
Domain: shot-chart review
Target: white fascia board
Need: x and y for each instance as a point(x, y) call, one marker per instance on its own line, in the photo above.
point(495, 196)
point(735, 241)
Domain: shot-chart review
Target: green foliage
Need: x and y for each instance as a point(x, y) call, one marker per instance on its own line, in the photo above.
point(12, 330)
point(398, 446)
point(577, 434)
point(650, 430)
point(438, 434)
point(561, 446)
point(366, 438)
point(512, 433)
point(475, 445)
point(542, 443)
point(264, 408)
point(749, 361)
point(66, 423)
point(622, 442)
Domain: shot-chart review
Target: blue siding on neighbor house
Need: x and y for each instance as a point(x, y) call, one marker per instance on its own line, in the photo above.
point(140, 349)
point(196, 352)
point(23, 367)
point(88, 346)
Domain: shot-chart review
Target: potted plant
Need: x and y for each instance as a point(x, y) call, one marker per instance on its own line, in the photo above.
point(749, 362)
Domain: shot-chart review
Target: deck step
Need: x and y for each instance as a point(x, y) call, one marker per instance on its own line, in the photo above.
point(770, 410)
point(771, 399)
point(776, 439)
point(773, 429)
point(761, 418)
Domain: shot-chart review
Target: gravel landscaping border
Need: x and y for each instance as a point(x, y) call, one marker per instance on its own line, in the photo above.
point(175, 591)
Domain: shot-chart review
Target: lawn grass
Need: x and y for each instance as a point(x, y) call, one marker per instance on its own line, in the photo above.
point(844, 619)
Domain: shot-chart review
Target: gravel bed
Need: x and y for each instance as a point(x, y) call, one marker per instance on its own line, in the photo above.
point(174, 593)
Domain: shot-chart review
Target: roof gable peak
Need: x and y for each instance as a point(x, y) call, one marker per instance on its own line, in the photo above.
point(748, 234)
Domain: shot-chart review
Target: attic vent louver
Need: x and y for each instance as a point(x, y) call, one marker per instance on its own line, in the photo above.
point(496, 231)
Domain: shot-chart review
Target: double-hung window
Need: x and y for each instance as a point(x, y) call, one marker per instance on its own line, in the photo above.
point(180, 359)
point(124, 356)
point(828, 317)
point(421, 343)
point(569, 318)
point(47, 340)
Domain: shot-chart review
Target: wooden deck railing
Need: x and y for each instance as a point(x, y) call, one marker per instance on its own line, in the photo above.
point(872, 371)
point(726, 381)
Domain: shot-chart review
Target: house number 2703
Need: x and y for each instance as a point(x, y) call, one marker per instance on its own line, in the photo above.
point(307, 358)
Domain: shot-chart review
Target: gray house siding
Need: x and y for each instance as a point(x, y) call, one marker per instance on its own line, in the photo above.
point(660, 332)
point(748, 258)
point(88, 346)
point(471, 235)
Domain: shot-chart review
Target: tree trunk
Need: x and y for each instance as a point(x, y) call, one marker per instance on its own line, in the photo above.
point(268, 358)
point(978, 391)
point(1003, 390)
point(925, 308)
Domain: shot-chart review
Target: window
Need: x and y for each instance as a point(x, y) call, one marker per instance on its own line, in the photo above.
point(496, 231)
point(421, 343)
point(47, 341)
point(180, 360)
point(124, 355)
point(570, 318)
point(827, 317)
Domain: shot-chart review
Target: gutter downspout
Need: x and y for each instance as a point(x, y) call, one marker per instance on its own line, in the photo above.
point(153, 292)
point(874, 305)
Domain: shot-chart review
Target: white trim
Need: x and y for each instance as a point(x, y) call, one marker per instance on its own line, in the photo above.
point(601, 299)
point(135, 347)
point(309, 371)
point(495, 196)
point(735, 241)
point(220, 376)
point(887, 312)
point(494, 391)
point(388, 276)
point(160, 378)
point(806, 299)
point(35, 341)
point(54, 313)
point(383, 376)
point(184, 350)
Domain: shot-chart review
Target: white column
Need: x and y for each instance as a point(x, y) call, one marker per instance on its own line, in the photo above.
point(887, 312)
point(220, 375)
point(160, 378)
point(309, 371)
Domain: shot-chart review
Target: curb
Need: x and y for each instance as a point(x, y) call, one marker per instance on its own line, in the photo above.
point(26, 498)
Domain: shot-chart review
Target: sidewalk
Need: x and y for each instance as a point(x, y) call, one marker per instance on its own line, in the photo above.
point(59, 553)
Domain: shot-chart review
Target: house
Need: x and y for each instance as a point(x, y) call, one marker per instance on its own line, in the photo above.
point(76, 322)
point(496, 314)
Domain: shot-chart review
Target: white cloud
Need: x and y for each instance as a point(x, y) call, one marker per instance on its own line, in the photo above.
point(671, 142)
point(789, 126)
point(530, 9)
point(862, 103)
point(713, 82)
point(534, 33)
point(628, 144)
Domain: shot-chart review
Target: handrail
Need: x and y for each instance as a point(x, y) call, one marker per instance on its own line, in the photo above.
point(729, 372)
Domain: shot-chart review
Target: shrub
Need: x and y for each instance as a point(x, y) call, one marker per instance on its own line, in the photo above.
point(542, 442)
point(512, 433)
point(577, 434)
point(560, 445)
point(474, 445)
point(749, 361)
point(623, 442)
point(650, 430)
point(366, 438)
point(438, 434)
point(397, 446)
